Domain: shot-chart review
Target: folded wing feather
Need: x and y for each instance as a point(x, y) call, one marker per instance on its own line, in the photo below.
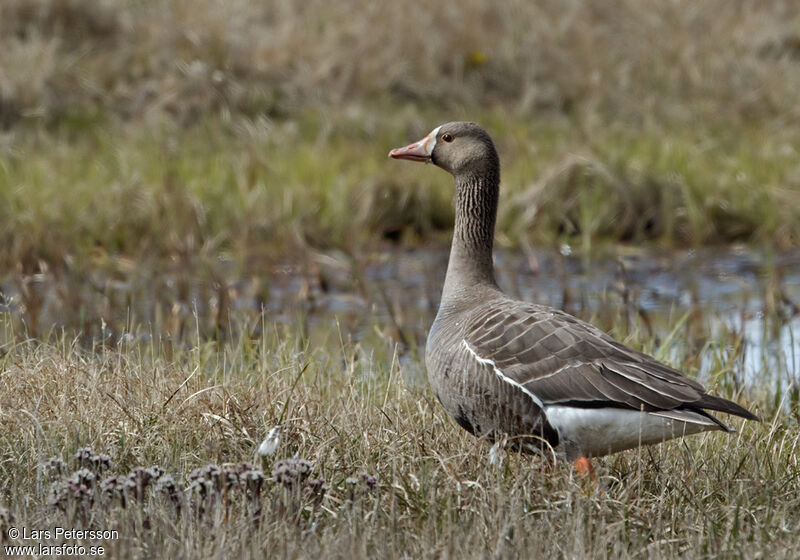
point(563, 360)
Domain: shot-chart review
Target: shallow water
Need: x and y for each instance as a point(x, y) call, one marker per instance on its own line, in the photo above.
point(731, 306)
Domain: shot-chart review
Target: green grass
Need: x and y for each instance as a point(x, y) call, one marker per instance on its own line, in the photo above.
point(320, 180)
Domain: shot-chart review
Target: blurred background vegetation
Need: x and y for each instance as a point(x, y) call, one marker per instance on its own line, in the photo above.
point(152, 126)
point(144, 135)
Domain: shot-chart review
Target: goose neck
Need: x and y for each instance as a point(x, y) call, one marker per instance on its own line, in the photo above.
point(470, 262)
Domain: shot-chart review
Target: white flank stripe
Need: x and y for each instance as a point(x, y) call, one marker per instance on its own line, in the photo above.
point(503, 376)
point(686, 416)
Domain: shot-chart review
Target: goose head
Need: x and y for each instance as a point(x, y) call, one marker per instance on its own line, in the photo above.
point(460, 148)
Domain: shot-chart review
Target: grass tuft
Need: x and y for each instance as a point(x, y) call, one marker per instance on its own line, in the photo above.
point(164, 451)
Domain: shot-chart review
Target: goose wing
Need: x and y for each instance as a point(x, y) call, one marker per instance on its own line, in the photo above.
point(565, 361)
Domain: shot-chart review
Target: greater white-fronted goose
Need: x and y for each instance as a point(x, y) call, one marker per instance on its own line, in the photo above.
point(503, 367)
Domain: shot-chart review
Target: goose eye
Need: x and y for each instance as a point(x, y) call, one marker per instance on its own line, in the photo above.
point(447, 137)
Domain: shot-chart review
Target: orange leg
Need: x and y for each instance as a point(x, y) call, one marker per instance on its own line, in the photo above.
point(584, 467)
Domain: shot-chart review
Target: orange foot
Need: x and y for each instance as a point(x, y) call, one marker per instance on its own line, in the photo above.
point(584, 467)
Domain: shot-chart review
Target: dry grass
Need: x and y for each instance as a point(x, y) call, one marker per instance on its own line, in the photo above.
point(160, 155)
point(351, 410)
point(624, 59)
